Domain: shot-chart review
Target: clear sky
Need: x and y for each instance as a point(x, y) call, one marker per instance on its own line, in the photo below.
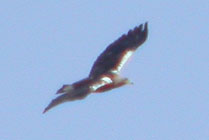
point(45, 44)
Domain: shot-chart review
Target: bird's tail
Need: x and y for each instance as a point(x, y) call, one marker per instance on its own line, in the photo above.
point(65, 89)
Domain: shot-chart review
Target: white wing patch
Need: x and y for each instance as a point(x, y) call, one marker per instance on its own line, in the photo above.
point(123, 60)
point(106, 79)
point(103, 81)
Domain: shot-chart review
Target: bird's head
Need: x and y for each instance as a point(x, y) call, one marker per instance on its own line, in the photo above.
point(119, 81)
point(127, 81)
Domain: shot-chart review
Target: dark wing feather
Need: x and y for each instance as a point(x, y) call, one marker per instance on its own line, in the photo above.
point(113, 54)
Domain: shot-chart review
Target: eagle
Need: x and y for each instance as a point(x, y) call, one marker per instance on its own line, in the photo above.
point(104, 74)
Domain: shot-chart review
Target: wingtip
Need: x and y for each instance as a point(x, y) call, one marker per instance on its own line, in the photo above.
point(145, 29)
point(45, 110)
point(51, 105)
point(146, 25)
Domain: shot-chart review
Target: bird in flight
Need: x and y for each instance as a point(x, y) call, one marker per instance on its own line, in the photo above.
point(104, 74)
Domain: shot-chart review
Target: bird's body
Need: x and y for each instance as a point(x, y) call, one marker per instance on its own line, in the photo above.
point(104, 74)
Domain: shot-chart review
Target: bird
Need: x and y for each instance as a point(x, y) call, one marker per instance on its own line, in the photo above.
point(105, 72)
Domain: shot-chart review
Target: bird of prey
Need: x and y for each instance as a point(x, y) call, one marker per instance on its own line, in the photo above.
point(104, 74)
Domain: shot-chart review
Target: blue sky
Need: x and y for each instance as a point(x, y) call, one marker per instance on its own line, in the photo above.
point(45, 44)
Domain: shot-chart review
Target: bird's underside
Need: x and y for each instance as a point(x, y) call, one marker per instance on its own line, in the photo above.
point(104, 74)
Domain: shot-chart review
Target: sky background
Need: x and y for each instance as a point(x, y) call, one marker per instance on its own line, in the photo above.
point(45, 44)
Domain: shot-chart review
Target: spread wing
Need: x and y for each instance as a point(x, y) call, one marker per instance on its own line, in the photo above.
point(117, 53)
